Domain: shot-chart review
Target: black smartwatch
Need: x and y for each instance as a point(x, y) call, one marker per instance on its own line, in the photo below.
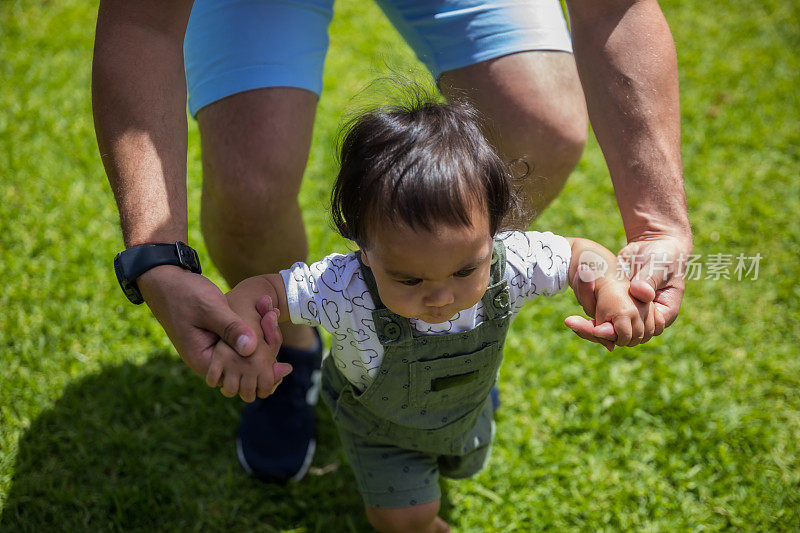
point(133, 262)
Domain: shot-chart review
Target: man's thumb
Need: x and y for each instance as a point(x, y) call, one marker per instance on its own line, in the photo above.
point(647, 279)
point(232, 330)
point(643, 290)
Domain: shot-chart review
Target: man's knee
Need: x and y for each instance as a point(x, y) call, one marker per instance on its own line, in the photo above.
point(404, 519)
point(262, 184)
point(255, 146)
point(534, 105)
point(552, 145)
point(551, 133)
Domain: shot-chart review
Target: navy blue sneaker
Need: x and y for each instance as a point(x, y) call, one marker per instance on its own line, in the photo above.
point(276, 435)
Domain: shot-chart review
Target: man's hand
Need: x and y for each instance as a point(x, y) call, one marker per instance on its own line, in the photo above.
point(659, 263)
point(656, 272)
point(195, 315)
point(256, 375)
point(620, 318)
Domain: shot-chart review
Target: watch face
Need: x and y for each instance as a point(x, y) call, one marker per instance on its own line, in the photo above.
point(187, 257)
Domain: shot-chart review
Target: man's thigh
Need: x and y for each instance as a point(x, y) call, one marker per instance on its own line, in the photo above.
point(513, 61)
point(254, 148)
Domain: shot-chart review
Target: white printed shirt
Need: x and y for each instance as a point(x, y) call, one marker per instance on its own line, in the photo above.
point(331, 293)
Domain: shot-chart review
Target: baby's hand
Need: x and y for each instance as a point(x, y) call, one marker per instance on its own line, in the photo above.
point(258, 374)
point(620, 318)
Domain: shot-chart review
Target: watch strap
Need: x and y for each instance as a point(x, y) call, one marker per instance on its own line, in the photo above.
point(142, 258)
point(133, 262)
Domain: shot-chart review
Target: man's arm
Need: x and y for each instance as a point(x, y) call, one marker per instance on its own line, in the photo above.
point(139, 104)
point(628, 67)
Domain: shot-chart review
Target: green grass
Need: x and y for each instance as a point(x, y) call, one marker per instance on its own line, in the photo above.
point(103, 428)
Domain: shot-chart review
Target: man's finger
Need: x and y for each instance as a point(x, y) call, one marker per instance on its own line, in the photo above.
point(660, 322)
point(231, 329)
point(668, 301)
point(654, 271)
point(649, 324)
point(642, 291)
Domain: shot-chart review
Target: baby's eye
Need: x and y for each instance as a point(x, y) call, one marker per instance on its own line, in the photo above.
point(464, 273)
point(410, 282)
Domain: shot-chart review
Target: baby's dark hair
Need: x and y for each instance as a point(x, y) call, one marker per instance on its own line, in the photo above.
point(420, 165)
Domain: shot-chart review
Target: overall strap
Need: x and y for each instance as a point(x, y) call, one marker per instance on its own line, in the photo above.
point(369, 279)
point(495, 300)
point(498, 262)
point(391, 328)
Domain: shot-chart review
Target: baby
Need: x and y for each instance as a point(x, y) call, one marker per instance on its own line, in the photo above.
point(420, 313)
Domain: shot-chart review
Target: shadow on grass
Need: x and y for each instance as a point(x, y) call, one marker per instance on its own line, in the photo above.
point(150, 447)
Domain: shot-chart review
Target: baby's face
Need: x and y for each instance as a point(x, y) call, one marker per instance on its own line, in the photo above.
point(431, 275)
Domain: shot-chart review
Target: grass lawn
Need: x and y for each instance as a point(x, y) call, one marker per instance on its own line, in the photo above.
point(103, 428)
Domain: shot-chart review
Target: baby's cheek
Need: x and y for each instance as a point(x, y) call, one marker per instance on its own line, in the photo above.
point(469, 297)
point(398, 304)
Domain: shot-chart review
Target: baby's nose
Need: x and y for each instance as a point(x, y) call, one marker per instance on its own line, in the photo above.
point(440, 297)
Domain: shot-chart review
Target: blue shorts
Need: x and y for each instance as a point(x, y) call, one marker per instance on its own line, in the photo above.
point(238, 45)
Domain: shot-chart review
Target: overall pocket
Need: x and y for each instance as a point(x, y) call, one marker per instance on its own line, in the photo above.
point(454, 385)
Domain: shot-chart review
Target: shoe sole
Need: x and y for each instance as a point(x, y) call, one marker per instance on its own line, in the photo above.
point(312, 447)
point(300, 474)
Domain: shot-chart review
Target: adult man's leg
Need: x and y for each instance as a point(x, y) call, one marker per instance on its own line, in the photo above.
point(254, 74)
point(536, 112)
point(255, 146)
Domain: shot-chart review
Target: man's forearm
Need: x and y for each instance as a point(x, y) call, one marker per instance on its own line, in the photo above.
point(628, 67)
point(139, 104)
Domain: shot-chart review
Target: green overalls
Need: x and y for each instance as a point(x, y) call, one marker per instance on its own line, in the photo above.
point(428, 410)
